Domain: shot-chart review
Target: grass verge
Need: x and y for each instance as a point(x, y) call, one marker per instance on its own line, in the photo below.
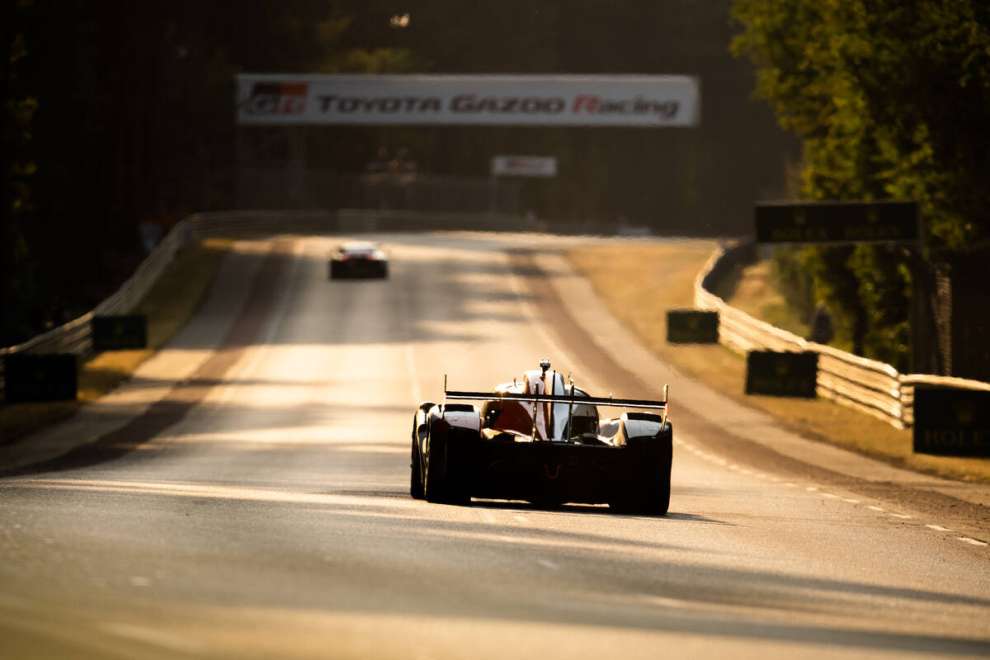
point(168, 306)
point(756, 293)
point(625, 276)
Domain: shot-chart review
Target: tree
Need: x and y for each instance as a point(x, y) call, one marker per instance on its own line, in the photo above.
point(890, 100)
point(18, 281)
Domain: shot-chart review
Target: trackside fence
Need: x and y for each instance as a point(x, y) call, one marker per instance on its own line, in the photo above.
point(870, 386)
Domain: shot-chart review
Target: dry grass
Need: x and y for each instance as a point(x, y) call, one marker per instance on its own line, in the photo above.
point(756, 294)
point(625, 276)
point(168, 306)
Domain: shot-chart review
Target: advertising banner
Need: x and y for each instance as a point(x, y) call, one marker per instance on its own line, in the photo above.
point(495, 100)
point(533, 166)
point(782, 374)
point(692, 326)
point(123, 332)
point(951, 421)
point(32, 377)
point(837, 222)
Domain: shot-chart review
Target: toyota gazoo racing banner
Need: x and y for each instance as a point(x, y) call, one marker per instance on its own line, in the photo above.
point(536, 100)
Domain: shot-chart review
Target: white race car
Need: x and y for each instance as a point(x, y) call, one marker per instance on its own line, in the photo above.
point(358, 259)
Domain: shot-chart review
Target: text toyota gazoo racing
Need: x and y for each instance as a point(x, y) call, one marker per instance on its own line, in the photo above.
point(541, 439)
point(358, 259)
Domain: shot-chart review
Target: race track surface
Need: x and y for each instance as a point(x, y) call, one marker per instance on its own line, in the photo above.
point(261, 508)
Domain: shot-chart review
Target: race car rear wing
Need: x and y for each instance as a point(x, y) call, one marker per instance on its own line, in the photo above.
point(571, 399)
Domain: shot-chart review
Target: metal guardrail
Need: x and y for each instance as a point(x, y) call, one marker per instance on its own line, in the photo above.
point(350, 221)
point(870, 386)
point(362, 220)
point(75, 336)
point(238, 223)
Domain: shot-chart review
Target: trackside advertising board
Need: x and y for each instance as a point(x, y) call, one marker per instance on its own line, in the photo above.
point(951, 421)
point(483, 100)
point(32, 377)
point(782, 374)
point(692, 326)
point(837, 222)
point(115, 333)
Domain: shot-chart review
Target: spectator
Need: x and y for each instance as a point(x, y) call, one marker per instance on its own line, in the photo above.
point(821, 325)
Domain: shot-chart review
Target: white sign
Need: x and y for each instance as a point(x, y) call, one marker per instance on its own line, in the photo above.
point(540, 166)
point(496, 100)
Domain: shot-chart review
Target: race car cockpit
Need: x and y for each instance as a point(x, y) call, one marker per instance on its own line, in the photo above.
point(559, 421)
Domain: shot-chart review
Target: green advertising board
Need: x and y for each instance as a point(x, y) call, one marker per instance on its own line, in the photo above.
point(29, 377)
point(837, 222)
point(692, 326)
point(122, 332)
point(782, 374)
point(951, 421)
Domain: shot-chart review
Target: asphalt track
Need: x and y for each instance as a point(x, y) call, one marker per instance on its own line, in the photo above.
point(247, 496)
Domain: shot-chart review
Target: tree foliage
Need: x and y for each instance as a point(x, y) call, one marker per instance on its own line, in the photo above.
point(891, 100)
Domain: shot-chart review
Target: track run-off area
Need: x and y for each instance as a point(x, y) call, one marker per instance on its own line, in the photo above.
point(246, 493)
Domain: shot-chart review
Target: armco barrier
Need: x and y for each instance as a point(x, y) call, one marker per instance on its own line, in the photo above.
point(873, 387)
point(349, 221)
point(74, 336)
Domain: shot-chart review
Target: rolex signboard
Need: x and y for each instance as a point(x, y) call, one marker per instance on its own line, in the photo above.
point(33, 377)
point(782, 374)
point(692, 326)
point(837, 222)
point(951, 421)
point(120, 332)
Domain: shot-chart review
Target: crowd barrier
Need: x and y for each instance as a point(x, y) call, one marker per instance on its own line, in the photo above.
point(870, 386)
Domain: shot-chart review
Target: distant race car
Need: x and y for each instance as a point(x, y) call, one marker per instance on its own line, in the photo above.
point(541, 440)
point(358, 259)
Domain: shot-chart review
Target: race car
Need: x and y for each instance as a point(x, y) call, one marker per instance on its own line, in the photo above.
point(541, 439)
point(358, 259)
